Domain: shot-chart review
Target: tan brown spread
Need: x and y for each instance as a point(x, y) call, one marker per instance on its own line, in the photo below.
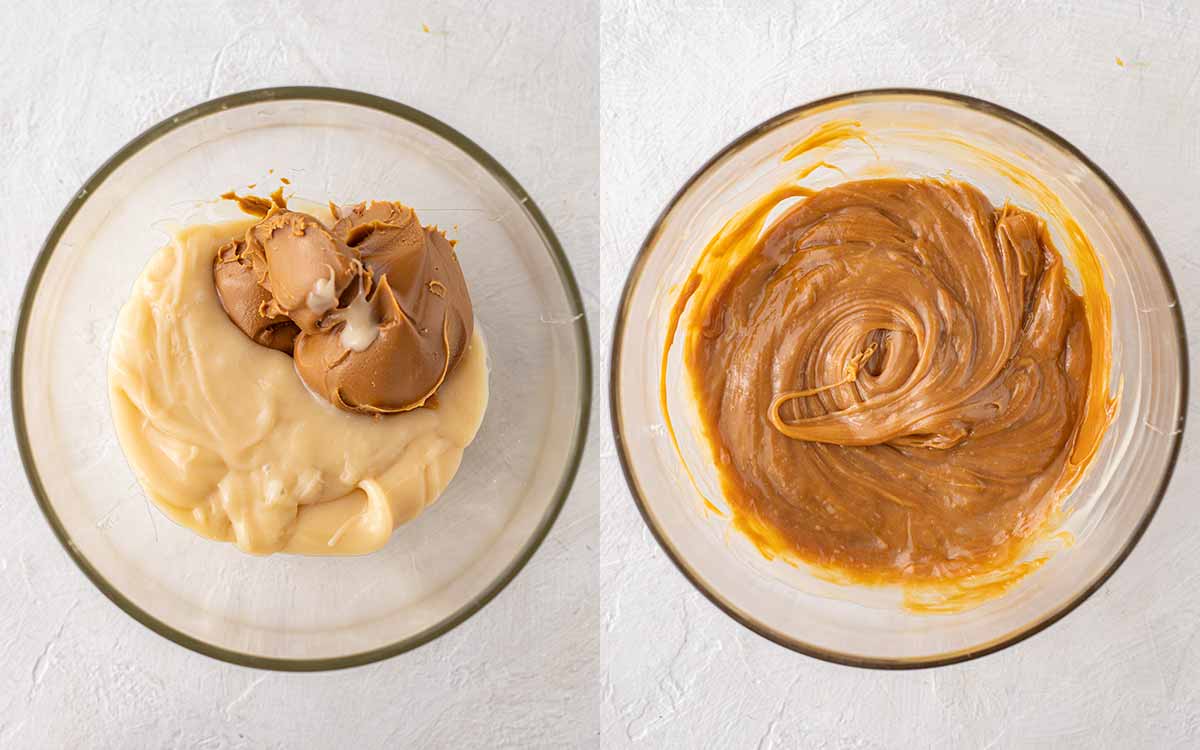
point(374, 308)
point(896, 381)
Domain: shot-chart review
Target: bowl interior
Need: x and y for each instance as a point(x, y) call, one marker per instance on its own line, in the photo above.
point(910, 134)
point(288, 611)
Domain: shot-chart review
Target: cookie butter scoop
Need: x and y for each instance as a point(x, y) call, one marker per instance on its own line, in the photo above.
point(301, 265)
point(374, 309)
point(247, 303)
point(391, 347)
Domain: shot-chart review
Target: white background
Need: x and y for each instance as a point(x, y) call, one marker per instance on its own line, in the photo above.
point(602, 110)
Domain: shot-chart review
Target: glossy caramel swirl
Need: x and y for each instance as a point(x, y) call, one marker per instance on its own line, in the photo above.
point(894, 378)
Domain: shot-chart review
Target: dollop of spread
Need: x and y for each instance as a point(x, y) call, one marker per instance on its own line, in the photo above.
point(895, 378)
point(374, 308)
point(301, 265)
point(246, 302)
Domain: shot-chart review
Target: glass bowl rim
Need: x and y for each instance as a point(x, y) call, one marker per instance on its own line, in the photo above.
point(565, 277)
point(635, 277)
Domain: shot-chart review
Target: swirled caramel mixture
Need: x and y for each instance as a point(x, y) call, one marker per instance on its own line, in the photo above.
point(896, 380)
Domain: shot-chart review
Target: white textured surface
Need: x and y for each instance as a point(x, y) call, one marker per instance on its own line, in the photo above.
point(600, 642)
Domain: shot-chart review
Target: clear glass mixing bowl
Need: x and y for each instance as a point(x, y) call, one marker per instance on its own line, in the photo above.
point(1109, 510)
point(289, 612)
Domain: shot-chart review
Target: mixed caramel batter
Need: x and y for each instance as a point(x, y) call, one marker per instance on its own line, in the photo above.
point(896, 380)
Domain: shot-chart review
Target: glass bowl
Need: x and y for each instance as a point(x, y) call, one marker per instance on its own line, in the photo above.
point(911, 133)
point(291, 612)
